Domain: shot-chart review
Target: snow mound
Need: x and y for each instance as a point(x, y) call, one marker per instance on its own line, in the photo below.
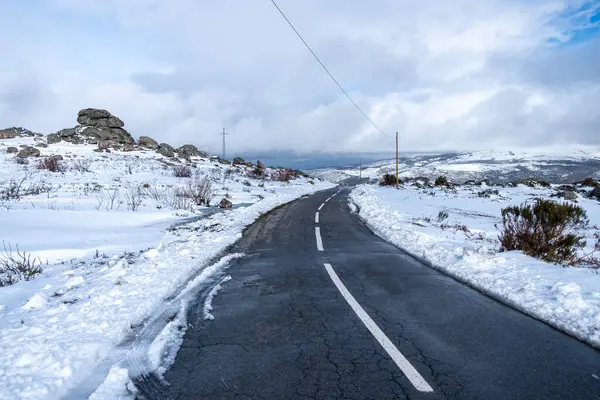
point(37, 301)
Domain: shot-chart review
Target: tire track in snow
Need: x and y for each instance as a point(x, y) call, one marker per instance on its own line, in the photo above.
point(132, 353)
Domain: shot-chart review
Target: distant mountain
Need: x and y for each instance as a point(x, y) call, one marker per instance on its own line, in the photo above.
point(494, 166)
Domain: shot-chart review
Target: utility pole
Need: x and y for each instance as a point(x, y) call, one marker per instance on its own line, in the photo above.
point(397, 180)
point(360, 171)
point(224, 172)
point(224, 134)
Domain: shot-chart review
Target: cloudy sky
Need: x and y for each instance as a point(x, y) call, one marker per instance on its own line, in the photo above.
point(451, 75)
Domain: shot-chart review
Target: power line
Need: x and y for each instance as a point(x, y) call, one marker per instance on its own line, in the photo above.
point(326, 70)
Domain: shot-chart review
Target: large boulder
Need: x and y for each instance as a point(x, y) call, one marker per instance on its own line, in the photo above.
point(53, 138)
point(8, 133)
point(241, 161)
point(260, 165)
point(189, 150)
point(66, 133)
point(595, 193)
point(166, 150)
point(97, 117)
point(568, 195)
point(11, 133)
point(116, 135)
point(28, 152)
point(238, 161)
point(225, 203)
point(11, 150)
point(148, 142)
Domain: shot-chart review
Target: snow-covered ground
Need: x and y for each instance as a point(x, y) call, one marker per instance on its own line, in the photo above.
point(565, 166)
point(108, 268)
point(464, 245)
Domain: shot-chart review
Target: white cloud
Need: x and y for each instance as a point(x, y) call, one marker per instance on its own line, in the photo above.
point(461, 74)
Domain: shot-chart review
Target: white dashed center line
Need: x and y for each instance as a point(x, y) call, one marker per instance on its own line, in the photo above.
point(405, 366)
point(319, 240)
point(321, 207)
point(317, 218)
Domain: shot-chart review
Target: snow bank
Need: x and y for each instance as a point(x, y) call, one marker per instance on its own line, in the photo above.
point(566, 298)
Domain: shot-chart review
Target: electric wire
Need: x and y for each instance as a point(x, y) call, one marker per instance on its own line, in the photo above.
point(327, 70)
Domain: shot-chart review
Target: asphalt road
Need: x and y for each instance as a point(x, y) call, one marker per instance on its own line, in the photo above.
point(372, 324)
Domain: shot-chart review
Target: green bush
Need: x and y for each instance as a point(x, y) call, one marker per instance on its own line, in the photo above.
point(546, 229)
point(441, 181)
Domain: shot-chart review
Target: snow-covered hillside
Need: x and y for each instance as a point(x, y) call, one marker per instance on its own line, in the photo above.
point(118, 236)
point(455, 230)
point(495, 166)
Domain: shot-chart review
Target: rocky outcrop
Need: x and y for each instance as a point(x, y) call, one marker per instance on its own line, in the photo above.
point(189, 150)
point(12, 150)
point(28, 152)
point(66, 133)
point(260, 165)
point(98, 118)
point(148, 143)
point(241, 161)
point(53, 138)
point(95, 125)
point(166, 150)
point(115, 135)
point(11, 133)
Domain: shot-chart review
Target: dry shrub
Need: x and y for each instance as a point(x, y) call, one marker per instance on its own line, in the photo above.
point(16, 265)
point(134, 196)
point(52, 164)
point(182, 171)
point(200, 191)
point(82, 165)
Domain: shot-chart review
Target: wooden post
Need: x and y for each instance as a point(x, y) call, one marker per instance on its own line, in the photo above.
point(397, 179)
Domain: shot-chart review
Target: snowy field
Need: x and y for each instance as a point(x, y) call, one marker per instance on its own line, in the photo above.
point(464, 245)
point(565, 165)
point(110, 262)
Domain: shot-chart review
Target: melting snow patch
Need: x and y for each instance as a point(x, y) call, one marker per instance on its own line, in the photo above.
point(152, 253)
point(164, 348)
point(116, 386)
point(208, 302)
